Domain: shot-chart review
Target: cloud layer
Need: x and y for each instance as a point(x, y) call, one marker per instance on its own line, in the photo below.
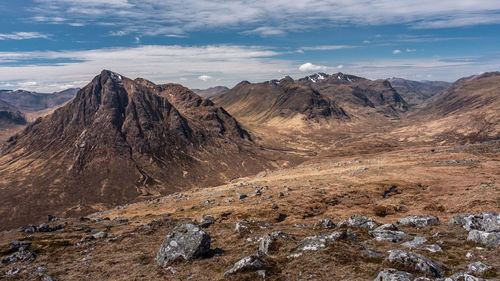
point(267, 18)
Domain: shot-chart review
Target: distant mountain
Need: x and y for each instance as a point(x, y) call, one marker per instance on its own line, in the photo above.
point(33, 101)
point(10, 115)
point(417, 92)
point(117, 141)
point(360, 97)
point(211, 92)
point(279, 100)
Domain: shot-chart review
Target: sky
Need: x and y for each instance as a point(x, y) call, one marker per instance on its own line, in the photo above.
point(51, 45)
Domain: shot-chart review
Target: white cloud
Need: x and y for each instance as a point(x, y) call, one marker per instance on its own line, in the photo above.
point(311, 67)
point(410, 50)
point(265, 31)
point(327, 47)
point(204, 77)
point(264, 17)
point(395, 52)
point(22, 35)
point(340, 66)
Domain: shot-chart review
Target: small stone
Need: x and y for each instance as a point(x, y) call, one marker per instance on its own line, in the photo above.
point(432, 248)
point(242, 196)
point(100, 235)
point(242, 228)
point(206, 221)
point(469, 255)
point(281, 194)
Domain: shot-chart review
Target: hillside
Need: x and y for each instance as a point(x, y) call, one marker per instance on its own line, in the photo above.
point(467, 111)
point(120, 140)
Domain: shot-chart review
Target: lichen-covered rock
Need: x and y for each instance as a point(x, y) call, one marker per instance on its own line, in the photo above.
point(416, 262)
point(100, 235)
point(489, 222)
point(269, 242)
point(461, 277)
point(416, 242)
point(391, 274)
point(187, 241)
point(324, 223)
point(21, 255)
point(478, 267)
point(361, 222)
point(314, 243)
point(250, 263)
point(490, 239)
point(388, 235)
point(241, 227)
point(433, 248)
point(418, 221)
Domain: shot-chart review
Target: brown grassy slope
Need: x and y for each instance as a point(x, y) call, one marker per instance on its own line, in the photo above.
point(442, 183)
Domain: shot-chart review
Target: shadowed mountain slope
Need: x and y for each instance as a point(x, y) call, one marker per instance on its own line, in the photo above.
point(279, 101)
point(417, 92)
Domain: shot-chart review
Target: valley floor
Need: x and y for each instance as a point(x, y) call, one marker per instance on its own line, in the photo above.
point(432, 181)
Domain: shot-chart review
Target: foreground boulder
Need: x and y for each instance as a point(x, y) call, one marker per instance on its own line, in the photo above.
point(187, 241)
point(490, 239)
point(391, 274)
point(416, 262)
point(252, 262)
point(478, 267)
point(484, 221)
point(418, 221)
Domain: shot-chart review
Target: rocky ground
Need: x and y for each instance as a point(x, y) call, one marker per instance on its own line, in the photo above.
point(406, 215)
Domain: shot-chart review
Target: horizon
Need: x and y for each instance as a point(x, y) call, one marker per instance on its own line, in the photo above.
point(52, 45)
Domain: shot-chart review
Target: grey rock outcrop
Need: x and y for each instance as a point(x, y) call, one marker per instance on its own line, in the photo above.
point(252, 262)
point(359, 221)
point(391, 274)
point(418, 221)
point(416, 242)
point(489, 222)
point(314, 243)
point(187, 241)
point(416, 262)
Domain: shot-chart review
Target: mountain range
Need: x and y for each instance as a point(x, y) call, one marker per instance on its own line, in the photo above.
point(122, 140)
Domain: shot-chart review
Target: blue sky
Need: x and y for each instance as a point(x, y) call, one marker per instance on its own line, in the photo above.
point(49, 45)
